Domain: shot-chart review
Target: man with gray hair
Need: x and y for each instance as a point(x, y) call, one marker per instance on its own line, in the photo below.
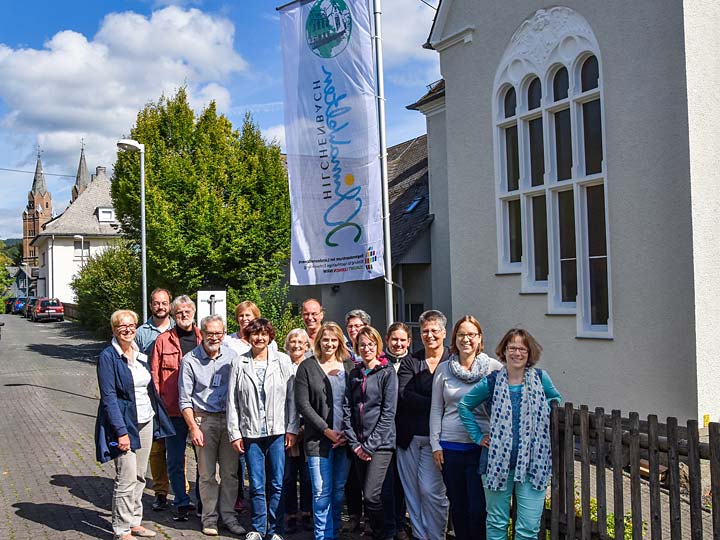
point(168, 351)
point(204, 380)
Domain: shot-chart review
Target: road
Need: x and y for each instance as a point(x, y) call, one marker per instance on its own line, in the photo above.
point(50, 484)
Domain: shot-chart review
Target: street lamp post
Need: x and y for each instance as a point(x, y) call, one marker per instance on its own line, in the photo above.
point(131, 145)
point(82, 248)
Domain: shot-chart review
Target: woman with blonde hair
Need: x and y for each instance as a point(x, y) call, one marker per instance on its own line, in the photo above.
point(130, 415)
point(319, 392)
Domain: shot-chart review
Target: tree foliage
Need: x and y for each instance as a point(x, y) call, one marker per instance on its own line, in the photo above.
point(5, 279)
point(217, 202)
point(108, 281)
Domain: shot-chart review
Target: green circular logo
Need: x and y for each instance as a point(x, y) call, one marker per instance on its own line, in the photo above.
point(328, 27)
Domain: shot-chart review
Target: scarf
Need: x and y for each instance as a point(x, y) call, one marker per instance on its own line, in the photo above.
point(479, 368)
point(534, 458)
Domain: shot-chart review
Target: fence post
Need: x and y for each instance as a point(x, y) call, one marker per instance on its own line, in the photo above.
point(556, 489)
point(585, 471)
point(715, 477)
point(569, 452)
point(696, 529)
point(600, 473)
point(654, 462)
point(617, 464)
point(674, 479)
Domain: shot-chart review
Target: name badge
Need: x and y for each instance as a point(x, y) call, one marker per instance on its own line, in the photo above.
point(217, 378)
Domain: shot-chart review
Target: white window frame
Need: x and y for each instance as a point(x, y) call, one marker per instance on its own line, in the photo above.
point(565, 39)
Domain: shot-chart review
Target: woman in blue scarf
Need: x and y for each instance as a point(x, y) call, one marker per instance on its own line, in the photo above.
point(519, 454)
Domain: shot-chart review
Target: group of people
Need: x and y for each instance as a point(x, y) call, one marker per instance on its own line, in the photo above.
point(347, 417)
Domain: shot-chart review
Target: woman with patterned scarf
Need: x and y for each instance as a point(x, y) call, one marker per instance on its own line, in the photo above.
point(455, 454)
point(519, 454)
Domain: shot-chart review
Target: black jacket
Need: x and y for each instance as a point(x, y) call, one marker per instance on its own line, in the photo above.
point(314, 402)
point(369, 408)
point(414, 397)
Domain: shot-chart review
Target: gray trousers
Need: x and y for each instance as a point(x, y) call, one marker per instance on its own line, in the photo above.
point(130, 468)
point(217, 499)
point(424, 490)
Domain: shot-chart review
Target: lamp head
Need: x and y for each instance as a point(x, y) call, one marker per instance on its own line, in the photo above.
point(130, 145)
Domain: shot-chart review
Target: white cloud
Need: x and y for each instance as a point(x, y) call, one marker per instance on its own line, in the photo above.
point(405, 27)
point(275, 133)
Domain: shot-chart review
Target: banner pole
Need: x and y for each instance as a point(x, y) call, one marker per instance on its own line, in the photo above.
point(380, 82)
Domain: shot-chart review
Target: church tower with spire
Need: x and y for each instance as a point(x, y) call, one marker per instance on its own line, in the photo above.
point(82, 179)
point(37, 213)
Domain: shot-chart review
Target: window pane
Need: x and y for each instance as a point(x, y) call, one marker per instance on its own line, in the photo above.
point(563, 145)
point(510, 103)
point(566, 227)
point(537, 155)
point(534, 94)
point(592, 134)
point(560, 84)
point(512, 161)
point(599, 309)
point(590, 74)
point(540, 238)
point(597, 246)
point(514, 231)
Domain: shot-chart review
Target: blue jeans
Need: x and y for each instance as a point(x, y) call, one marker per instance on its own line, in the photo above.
point(530, 506)
point(327, 478)
point(175, 457)
point(465, 491)
point(265, 461)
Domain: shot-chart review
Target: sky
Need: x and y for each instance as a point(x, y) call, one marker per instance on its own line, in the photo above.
point(77, 72)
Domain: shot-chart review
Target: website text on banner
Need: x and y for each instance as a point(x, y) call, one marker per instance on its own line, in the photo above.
point(331, 136)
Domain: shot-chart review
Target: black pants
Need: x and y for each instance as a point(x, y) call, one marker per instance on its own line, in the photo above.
point(372, 477)
point(353, 492)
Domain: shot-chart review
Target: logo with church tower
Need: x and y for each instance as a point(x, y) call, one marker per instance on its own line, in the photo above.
point(328, 27)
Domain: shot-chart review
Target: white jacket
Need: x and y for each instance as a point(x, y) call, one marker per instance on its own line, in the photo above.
point(243, 402)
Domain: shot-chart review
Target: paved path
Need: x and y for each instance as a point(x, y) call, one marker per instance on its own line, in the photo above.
point(51, 487)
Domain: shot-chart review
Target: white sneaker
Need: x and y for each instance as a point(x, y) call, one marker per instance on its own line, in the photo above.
point(253, 535)
point(276, 537)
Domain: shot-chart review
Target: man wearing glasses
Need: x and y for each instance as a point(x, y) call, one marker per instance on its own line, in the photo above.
point(169, 349)
point(204, 378)
point(145, 337)
point(313, 315)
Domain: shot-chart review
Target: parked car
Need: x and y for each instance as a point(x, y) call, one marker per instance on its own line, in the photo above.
point(47, 309)
point(18, 305)
point(29, 304)
point(9, 304)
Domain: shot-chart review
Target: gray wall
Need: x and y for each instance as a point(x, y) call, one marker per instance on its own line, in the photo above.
point(649, 366)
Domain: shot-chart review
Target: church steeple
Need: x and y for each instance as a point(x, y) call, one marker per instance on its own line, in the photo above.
point(39, 186)
point(37, 213)
point(82, 179)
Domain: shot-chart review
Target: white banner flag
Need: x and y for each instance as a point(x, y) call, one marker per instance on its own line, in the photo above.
point(332, 142)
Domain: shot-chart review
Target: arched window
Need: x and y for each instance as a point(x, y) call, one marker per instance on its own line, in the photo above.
point(552, 211)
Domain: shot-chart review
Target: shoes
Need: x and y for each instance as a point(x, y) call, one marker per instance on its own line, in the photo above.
point(253, 535)
point(276, 537)
point(402, 534)
point(307, 522)
point(241, 505)
point(191, 506)
point(352, 524)
point(182, 513)
point(235, 528)
point(160, 503)
point(210, 530)
point(142, 532)
point(291, 527)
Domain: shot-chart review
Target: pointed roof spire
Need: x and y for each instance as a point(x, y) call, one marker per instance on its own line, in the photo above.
point(83, 177)
point(39, 186)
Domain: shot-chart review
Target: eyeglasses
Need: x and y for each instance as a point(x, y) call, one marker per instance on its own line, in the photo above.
point(213, 334)
point(183, 313)
point(160, 304)
point(470, 336)
point(367, 346)
point(432, 331)
point(355, 326)
point(513, 349)
point(125, 327)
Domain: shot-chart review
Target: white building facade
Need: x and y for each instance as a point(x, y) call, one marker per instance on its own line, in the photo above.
point(574, 163)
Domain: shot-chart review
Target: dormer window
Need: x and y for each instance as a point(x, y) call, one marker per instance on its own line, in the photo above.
point(106, 215)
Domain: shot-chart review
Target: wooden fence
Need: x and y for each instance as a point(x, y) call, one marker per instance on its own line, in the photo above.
point(641, 459)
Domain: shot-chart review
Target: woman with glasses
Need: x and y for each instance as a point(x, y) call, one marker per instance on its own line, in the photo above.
point(455, 454)
point(424, 488)
point(129, 416)
point(319, 391)
point(369, 421)
point(263, 423)
point(519, 456)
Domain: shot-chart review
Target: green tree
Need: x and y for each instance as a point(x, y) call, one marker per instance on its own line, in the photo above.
point(108, 281)
point(5, 261)
point(217, 202)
